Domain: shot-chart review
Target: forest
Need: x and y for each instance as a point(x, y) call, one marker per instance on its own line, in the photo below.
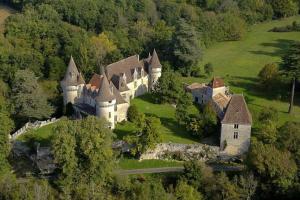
point(36, 45)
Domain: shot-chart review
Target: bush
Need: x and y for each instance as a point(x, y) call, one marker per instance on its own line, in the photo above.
point(132, 113)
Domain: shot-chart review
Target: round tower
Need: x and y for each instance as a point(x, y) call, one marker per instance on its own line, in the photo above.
point(106, 102)
point(72, 83)
point(155, 69)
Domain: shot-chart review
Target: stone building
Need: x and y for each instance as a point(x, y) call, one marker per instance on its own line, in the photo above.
point(108, 94)
point(232, 111)
point(236, 126)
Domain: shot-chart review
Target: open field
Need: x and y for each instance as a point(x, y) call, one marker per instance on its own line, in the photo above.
point(239, 62)
point(170, 129)
point(135, 164)
point(4, 13)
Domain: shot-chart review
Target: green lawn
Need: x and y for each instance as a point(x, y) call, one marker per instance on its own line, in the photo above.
point(42, 135)
point(135, 164)
point(239, 62)
point(171, 131)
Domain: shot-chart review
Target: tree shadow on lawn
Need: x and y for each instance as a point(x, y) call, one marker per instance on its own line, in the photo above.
point(281, 46)
point(253, 88)
point(175, 128)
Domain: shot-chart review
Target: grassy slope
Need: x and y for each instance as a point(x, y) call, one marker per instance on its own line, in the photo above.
point(170, 129)
point(42, 135)
point(239, 62)
point(4, 13)
point(135, 164)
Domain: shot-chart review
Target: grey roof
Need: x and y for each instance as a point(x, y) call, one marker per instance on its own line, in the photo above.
point(72, 76)
point(119, 98)
point(155, 63)
point(105, 93)
point(127, 66)
point(237, 111)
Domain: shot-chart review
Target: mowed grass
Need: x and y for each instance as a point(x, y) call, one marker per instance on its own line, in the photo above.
point(170, 130)
point(4, 13)
point(136, 164)
point(239, 63)
point(41, 135)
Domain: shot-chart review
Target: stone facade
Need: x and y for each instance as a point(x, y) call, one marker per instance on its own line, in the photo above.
point(232, 111)
point(108, 95)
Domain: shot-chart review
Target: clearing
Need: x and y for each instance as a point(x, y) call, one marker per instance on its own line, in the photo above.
point(239, 63)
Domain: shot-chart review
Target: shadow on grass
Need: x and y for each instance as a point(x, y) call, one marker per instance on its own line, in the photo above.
point(175, 128)
point(281, 46)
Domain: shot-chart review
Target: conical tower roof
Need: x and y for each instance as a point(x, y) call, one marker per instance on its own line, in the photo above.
point(155, 63)
point(72, 76)
point(105, 93)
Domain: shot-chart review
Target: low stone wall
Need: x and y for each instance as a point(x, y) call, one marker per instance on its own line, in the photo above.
point(34, 125)
point(182, 152)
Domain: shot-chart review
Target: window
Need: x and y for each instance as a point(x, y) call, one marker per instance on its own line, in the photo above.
point(135, 84)
point(196, 99)
point(236, 126)
point(109, 115)
point(116, 118)
point(116, 108)
point(235, 135)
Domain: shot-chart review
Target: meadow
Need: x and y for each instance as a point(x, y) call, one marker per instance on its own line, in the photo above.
point(239, 63)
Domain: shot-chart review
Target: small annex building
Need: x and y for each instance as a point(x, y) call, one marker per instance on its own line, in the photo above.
point(232, 111)
point(108, 94)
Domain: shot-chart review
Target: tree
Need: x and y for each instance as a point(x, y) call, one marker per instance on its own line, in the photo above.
point(289, 138)
point(291, 68)
point(186, 48)
point(197, 174)
point(182, 108)
point(28, 98)
point(132, 113)
point(247, 185)
point(205, 123)
point(222, 188)
point(284, 8)
point(184, 191)
point(273, 166)
point(168, 88)
point(147, 136)
point(268, 75)
point(100, 46)
point(208, 68)
point(83, 152)
point(268, 114)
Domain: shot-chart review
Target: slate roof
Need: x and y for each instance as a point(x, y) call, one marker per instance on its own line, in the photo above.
point(216, 82)
point(126, 66)
point(237, 111)
point(105, 93)
point(72, 77)
point(155, 63)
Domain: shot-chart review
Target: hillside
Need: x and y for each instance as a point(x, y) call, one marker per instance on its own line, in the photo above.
point(239, 62)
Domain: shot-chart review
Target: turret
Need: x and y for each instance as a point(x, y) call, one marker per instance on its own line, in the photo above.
point(106, 102)
point(72, 84)
point(154, 69)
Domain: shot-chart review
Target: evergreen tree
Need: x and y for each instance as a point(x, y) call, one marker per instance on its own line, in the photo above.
point(186, 48)
point(291, 68)
point(29, 100)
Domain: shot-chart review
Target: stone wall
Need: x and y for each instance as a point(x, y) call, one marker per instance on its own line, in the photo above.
point(34, 125)
point(182, 152)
